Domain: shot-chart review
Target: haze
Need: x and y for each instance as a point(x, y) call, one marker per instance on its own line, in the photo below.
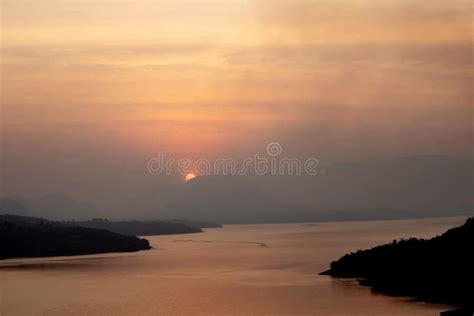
point(91, 90)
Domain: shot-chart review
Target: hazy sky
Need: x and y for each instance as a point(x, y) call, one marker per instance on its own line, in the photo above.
point(92, 89)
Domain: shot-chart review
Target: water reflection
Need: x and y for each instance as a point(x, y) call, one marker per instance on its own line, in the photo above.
point(241, 269)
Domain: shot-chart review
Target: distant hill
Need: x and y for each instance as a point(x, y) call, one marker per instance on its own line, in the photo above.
point(58, 206)
point(11, 206)
point(36, 237)
point(408, 187)
point(53, 206)
point(197, 224)
point(138, 228)
point(438, 270)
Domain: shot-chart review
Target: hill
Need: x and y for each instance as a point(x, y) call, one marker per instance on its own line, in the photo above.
point(198, 224)
point(138, 228)
point(60, 207)
point(407, 187)
point(36, 237)
point(53, 206)
point(438, 270)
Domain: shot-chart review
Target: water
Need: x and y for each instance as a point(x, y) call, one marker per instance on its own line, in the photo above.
point(239, 269)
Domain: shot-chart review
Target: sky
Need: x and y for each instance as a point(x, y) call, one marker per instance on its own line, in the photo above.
point(90, 90)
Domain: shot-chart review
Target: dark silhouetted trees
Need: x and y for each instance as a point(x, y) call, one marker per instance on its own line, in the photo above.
point(35, 237)
point(438, 270)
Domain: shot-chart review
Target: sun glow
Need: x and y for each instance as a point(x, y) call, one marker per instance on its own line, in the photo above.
point(189, 176)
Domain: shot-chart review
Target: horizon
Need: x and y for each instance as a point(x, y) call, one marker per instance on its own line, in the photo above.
point(189, 199)
point(93, 94)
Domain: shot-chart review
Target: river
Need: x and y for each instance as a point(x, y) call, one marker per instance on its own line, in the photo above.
point(234, 270)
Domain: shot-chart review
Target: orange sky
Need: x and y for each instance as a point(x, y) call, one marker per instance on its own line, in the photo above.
point(340, 80)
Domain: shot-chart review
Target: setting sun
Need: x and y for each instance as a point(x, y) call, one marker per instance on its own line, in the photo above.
point(189, 176)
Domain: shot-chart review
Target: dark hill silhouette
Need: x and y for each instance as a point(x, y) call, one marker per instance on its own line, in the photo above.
point(439, 270)
point(138, 228)
point(36, 237)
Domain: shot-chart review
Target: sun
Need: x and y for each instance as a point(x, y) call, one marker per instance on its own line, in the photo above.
point(189, 176)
